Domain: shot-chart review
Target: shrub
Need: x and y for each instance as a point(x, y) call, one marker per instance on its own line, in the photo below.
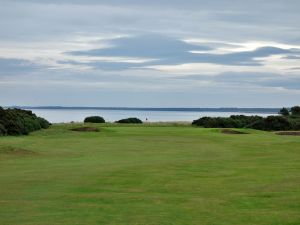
point(30, 125)
point(277, 123)
point(255, 122)
point(2, 112)
point(19, 122)
point(284, 112)
point(3, 131)
point(43, 123)
point(235, 121)
point(295, 111)
point(296, 126)
point(258, 125)
point(15, 127)
point(94, 119)
point(130, 120)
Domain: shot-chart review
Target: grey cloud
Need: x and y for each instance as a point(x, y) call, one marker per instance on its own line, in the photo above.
point(194, 18)
point(295, 68)
point(228, 4)
point(147, 46)
point(116, 66)
point(254, 79)
point(16, 66)
point(247, 58)
point(287, 83)
point(292, 57)
point(171, 51)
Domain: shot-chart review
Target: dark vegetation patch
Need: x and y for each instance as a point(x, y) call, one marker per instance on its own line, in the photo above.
point(229, 131)
point(130, 120)
point(86, 129)
point(94, 119)
point(16, 151)
point(20, 122)
point(270, 123)
point(292, 133)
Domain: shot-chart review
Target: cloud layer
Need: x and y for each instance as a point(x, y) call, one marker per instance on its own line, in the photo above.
point(153, 52)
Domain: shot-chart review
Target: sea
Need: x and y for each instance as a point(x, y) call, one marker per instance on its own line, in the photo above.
point(77, 114)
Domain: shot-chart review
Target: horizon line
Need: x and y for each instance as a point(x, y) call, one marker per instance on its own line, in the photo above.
point(272, 110)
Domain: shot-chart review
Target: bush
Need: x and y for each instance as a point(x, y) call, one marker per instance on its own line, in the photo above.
point(235, 121)
point(255, 122)
point(277, 123)
point(295, 111)
point(3, 131)
point(20, 122)
point(130, 120)
point(43, 123)
point(284, 112)
point(94, 119)
point(31, 125)
point(15, 127)
point(2, 112)
point(296, 125)
point(257, 125)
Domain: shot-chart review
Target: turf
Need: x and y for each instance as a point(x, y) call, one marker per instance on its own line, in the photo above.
point(149, 174)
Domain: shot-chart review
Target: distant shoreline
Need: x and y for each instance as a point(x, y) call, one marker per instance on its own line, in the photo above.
point(232, 109)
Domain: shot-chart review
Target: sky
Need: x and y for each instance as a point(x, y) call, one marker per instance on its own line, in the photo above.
point(158, 53)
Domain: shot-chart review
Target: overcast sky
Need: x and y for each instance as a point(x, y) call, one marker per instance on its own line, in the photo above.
point(158, 53)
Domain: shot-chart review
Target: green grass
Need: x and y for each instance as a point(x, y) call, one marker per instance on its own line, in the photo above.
point(149, 174)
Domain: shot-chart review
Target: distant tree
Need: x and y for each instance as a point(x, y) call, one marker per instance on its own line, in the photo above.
point(284, 112)
point(295, 111)
point(94, 119)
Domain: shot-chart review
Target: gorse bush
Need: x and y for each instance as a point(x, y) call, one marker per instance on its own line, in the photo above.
point(94, 119)
point(235, 121)
point(270, 123)
point(276, 123)
point(284, 112)
point(20, 122)
point(3, 130)
point(43, 123)
point(295, 111)
point(130, 120)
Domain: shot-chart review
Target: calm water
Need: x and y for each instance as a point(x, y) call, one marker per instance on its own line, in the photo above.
point(78, 115)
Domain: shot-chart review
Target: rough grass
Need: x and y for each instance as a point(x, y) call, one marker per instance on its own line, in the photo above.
point(150, 174)
point(231, 131)
point(293, 133)
point(85, 129)
point(8, 150)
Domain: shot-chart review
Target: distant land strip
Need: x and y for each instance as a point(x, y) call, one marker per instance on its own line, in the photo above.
point(225, 109)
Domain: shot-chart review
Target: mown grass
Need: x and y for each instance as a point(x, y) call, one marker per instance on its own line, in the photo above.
point(149, 174)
